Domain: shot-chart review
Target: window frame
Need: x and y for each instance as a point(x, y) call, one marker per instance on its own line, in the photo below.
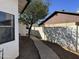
point(9, 26)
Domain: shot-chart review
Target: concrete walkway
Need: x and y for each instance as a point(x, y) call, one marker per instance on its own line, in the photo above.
point(44, 51)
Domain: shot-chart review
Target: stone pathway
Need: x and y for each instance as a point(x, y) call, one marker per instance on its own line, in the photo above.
point(44, 51)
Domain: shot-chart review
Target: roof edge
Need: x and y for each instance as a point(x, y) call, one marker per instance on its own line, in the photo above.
point(28, 1)
point(54, 13)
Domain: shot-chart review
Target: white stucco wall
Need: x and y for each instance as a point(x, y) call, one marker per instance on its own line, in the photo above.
point(22, 29)
point(60, 24)
point(40, 29)
point(11, 49)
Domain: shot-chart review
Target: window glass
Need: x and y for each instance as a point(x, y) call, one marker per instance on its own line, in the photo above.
point(6, 27)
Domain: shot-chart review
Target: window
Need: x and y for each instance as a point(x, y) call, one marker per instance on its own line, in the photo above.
point(6, 27)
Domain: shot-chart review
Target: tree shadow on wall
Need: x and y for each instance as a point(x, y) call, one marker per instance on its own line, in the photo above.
point(63, 36)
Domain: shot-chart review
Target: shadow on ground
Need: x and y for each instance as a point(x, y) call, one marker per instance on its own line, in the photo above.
point(27, 49)
point(62, 53)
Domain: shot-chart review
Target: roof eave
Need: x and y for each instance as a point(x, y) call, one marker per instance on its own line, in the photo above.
point(25, 6)
point(55, 14)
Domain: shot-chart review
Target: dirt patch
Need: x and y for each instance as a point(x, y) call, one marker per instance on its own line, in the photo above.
point(62, 53)
point(27, 49)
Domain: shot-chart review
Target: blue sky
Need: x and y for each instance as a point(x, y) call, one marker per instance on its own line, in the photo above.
point(67, 5)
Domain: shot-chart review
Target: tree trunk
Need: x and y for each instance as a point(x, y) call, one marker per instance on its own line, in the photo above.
point(29, 31)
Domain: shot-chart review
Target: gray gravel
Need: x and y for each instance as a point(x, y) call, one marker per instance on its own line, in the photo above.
point(27, 49)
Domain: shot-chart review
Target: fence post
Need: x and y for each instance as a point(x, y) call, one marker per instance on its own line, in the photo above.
point(2, 53)
point(76, 36)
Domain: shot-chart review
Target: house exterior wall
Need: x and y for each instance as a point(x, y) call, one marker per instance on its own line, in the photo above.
point(49, 30)
point(60, 24)
point(22, 29)
point(62, 18)
point(40, 29)
point(11, 49)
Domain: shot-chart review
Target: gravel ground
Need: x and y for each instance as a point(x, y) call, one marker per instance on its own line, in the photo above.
point(62, 53)
point(27, 49)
